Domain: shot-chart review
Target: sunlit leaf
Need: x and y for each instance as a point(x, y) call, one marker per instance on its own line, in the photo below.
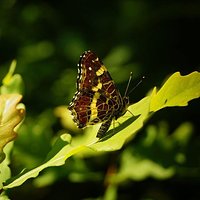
point(177, 91)
point(115, 138)
point(130, 123)
point(61, 151)
point(5, 172)
point(10, 117)
point(143, 168)
point(12, 83)
point(111, 192)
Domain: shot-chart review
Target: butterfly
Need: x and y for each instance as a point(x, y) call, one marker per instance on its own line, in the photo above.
point(97, 99)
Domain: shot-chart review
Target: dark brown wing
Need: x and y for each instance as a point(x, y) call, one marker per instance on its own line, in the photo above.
point(87, 68)
point(97, 98)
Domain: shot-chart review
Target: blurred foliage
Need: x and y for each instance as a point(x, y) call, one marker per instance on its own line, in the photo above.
point(154, 39)
point(11, 111)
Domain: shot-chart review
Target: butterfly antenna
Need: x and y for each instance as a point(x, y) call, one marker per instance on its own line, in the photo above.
point(129, 81)
point(136, 85)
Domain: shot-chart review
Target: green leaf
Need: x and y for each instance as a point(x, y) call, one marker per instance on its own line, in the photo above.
point(143, 168)
point(177, 91)
point(10, 117)
point(111, 192)
point(127, 127)
point(3, 196)
point(56, 157)
point(130, 123)
point(5, 172)
point(12, 83)
point(11, 112)
point(146, 156)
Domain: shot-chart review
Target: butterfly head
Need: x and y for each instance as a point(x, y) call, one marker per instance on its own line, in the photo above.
point(126, 101)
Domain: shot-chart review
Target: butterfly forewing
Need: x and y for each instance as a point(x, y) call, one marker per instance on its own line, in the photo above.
point(87, 71)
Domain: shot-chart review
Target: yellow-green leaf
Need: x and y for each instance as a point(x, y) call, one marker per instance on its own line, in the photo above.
point(127, 127)
point(10, 117)
point(176, 91)
point(12, 83)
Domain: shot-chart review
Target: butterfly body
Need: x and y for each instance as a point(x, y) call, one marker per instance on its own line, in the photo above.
point(97, 99)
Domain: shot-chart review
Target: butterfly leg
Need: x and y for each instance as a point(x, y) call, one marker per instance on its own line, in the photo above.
point(130, 112)
point(103, 129)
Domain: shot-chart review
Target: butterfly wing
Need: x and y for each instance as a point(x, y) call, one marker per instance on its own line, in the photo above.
point(97, 98)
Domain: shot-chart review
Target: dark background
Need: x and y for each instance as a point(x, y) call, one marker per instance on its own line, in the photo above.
point(151, 38)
